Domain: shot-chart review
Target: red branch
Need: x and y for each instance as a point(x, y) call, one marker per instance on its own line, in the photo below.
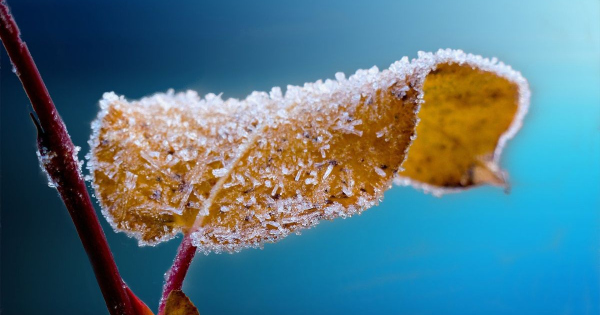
point(59, 159)
point(175, 276)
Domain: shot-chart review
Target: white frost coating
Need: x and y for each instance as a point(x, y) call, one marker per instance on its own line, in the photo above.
point(380, 172)
point(220, 172)
point(427, 62)
point(268, 109)
point(130, 180)
point(76, 150)
point(45, 158)
point(328, 171)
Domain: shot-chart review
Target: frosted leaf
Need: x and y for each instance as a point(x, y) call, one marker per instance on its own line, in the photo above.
point(237, 173)
point(224, 209)
point(340, 76)
point(282, 144)
point(219, 172)
point(297, 178)
point(76, 150)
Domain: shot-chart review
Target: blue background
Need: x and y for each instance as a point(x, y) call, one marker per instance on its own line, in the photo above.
point(533, 251)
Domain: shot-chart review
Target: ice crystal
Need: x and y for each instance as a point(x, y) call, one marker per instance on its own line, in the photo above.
point(45, 157)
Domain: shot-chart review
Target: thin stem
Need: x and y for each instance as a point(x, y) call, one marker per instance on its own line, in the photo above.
point(58, 157)
point(175, 276)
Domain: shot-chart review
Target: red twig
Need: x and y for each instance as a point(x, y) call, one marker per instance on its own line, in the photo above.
point(174, 277)
point(59, 159)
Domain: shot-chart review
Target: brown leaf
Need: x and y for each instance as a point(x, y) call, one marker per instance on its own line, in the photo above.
point(179, 304)
point(471, 108)
point(238, 173)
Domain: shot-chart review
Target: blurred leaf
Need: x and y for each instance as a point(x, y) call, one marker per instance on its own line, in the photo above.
point(179, 304)
point(465, 113)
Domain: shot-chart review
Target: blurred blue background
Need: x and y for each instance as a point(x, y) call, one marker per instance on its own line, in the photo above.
point(533, 251)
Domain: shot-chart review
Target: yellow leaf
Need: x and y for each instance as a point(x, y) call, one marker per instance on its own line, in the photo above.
point(179, 304)
point(239, 173)
point(471, 108)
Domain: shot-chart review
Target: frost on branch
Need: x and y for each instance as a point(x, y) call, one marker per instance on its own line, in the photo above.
point(45, 158)
point(237, 173)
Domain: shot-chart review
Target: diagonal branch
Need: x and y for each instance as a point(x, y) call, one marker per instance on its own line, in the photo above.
point(58, 157)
